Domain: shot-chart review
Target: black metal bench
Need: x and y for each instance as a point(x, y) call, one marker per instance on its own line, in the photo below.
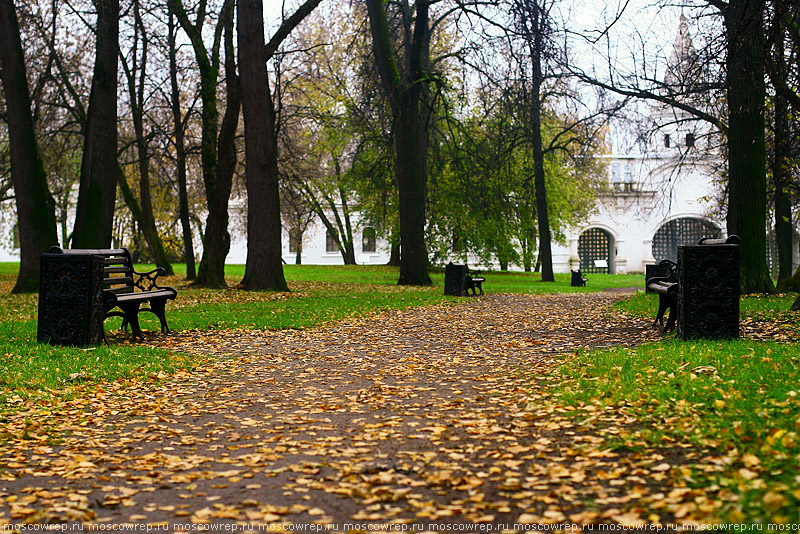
point(667, 289)
point(472, 281)
point(578, 279)
point(126, 289)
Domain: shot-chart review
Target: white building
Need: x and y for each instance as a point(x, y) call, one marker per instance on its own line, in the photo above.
point(319, 248)
point(659, 198)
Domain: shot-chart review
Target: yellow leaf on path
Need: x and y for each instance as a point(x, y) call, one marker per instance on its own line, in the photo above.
point(747, 474)
point(750, 460)
point(628, 519)
point(554, 516)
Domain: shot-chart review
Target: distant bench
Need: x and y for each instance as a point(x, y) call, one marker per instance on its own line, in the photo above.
point(120, 285)
point(472, 281)
point(459, 280)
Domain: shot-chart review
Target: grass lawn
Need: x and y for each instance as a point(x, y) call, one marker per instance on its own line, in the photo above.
point(319, 294)
point(727, 413)
point(729, 409)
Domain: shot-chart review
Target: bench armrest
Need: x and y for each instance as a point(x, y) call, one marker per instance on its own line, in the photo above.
point(147, 281)
point(672, 270)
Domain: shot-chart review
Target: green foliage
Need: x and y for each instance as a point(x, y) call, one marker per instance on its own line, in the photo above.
point(481, 193)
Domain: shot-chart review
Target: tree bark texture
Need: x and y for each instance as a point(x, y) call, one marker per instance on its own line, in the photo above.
point(35, 205)
point(216, 240)
point(781, 156)
point(179, 129)
point(264, 268)
point(533, 25)
point(147, 221)
point(97, 192)
point(410, 135)
point(782, 182)
point(747, 200)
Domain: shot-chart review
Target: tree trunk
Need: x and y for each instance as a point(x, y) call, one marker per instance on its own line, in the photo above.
point(346, 225)
point(783, 203)
point(97, 193)
point(747, 191)
point(216, 239)
point(781, 149)
point(264, 269)
point(35, 205)
point(409, 133)
point(147, 222)
point(180, 151)
point(394, 255)
point(532, 20)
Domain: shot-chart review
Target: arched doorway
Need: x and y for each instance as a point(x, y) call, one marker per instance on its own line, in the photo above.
point(682, 231)
point(596, 251)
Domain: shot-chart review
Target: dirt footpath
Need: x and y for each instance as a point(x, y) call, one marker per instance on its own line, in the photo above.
point(424, 416)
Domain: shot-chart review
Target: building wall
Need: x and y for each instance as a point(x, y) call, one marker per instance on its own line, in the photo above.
point(314, 247)
point(654, 190)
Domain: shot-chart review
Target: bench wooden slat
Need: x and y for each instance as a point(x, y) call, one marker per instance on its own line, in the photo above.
point(116, 280)
point(147, 295)
point(121, 290)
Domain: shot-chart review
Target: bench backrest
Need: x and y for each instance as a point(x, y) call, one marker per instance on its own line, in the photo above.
point(117, 266)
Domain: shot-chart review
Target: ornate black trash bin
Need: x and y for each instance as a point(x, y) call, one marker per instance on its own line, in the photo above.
point(455, 280)
point(708, 292)
point(70, 299)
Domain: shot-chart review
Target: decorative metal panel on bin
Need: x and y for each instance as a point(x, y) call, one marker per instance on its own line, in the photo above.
point(455, 280)
point(708, 293)
point(70, 299)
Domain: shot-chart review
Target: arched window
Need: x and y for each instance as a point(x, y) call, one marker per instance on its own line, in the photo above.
point(683, 231)
point(369, 240)
point(594, 249)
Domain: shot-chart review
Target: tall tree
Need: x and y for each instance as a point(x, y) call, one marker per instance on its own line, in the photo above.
point(407, 90)
point(178, 138)
point(781, 143)
point(35, 204)
point(264, 269)
point(217, 148)
point(747, 179)
point(533, 24)
point(97, 192)
point(135, 71)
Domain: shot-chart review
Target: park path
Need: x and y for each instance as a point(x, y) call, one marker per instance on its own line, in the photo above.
point(435, 414)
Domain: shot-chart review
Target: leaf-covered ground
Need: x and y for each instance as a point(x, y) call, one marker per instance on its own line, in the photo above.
point(429, 414)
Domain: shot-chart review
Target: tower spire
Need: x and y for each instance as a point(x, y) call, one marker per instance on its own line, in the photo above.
point(682, 67)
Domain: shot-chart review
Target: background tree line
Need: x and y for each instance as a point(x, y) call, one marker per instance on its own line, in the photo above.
point(452, 127)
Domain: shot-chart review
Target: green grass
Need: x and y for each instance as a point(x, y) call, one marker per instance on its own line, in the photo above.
point(739, 401)
point(319, 294)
